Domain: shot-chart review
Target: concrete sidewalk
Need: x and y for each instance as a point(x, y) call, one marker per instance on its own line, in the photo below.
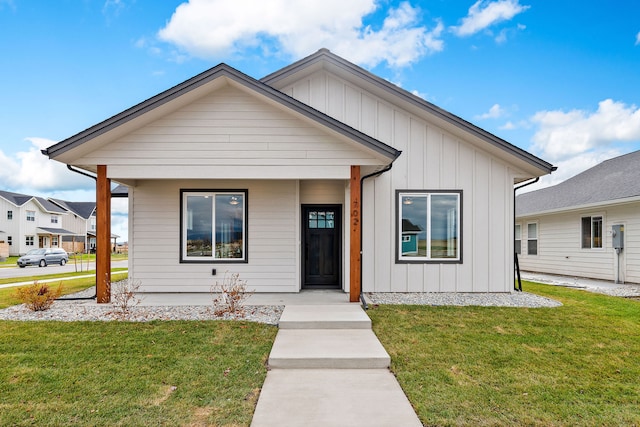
point(592, 285)
point(327, 368)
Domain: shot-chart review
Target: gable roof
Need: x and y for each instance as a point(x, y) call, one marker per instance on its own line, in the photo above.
point(15, 198)
point(18, 200)
point(219, 74)
point(82, 209)
point(49, 206)
point(611, 181)
point(324, 59)
point(409, 227)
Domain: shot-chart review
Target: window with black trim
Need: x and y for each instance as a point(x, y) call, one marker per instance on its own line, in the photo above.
point(429, 225)
point(9, 215)
point(592, 232)
point(213, 226)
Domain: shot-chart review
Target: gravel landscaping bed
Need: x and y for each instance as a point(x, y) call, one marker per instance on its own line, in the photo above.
point(79, 310)
point(516, 299)
point(87, 310)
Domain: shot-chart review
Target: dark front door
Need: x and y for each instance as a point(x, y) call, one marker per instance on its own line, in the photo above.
point(321, 243)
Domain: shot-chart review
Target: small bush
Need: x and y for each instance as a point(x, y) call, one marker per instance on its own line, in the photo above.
point(229, 296)
point(123, 297)
point(38, 297)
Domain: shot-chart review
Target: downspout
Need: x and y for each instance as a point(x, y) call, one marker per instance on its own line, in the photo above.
point(374, 174)
point(515, 255)
point(96, 294)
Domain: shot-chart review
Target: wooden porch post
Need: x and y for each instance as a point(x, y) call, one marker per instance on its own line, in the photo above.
point(355, 239)
point(103, 236)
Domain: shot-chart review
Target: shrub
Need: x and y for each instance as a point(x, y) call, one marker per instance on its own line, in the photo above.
point(123, 297)
point(229, 296)
point(39, 296)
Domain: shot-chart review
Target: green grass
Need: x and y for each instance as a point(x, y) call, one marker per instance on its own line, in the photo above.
point(9, 262)
point(52, 276)
point(131, 374)
point(7, 295)
point(574, 365)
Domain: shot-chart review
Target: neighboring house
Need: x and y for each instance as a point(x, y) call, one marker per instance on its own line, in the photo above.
point(81, 221)
point(4, 246)
point(30, 222)
point(288, 181)
point(410, 233)
point(573, 228)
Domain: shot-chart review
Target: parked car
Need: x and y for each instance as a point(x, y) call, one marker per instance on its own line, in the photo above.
point(43, 257)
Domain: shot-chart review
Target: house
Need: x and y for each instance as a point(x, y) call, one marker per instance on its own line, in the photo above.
point(30, 222)
point(586, 226)
point(300, 180)
point(410, 233)
point(81, 221)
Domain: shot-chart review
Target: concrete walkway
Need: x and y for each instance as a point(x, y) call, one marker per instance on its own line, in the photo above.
point(327, 368)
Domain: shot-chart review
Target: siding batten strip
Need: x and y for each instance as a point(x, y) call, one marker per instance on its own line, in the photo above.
point(355, 239)
point(103, 238)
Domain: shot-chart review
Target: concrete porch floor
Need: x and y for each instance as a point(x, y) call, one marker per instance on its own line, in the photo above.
point(304, 297)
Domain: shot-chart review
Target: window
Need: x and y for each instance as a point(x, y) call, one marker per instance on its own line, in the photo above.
point(591, 232)
point(54, 219)
point(9, 215)
point(29, 240)
point(321, 219)
point(92, 223)
point(518, 237)
point(429, 224)
point(9, 240)
point(54, 241)
point(31, 215)
point(532, 239)
point(214, 225)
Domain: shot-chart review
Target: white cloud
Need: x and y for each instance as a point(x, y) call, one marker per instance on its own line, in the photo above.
point(563, 135)
point(213, 28)
point(484, 14)
point(508, 126)
point(638, 38)
point(495, 112)
point(33, 171)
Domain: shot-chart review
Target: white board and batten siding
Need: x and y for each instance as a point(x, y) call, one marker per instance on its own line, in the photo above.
point(230, 134)
point(432, 159)
point(560, 244)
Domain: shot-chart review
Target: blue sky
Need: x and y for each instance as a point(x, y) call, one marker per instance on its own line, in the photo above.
point(560, 79)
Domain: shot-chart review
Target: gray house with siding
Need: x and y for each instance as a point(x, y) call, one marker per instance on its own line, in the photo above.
point(302, 180)
point(576, 227)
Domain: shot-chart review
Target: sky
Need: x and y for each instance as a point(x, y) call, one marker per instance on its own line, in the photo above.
point(560, 79)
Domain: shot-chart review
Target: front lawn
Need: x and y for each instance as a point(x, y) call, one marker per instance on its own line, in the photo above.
point(8, 295)
point(576, 365)
point(180, 373)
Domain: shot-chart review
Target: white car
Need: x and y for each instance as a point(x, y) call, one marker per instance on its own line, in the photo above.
point(43, 257)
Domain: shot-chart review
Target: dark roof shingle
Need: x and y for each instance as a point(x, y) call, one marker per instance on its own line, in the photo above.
point(611, 180)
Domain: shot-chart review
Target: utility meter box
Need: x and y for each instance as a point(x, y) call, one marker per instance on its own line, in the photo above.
point(617, 234)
